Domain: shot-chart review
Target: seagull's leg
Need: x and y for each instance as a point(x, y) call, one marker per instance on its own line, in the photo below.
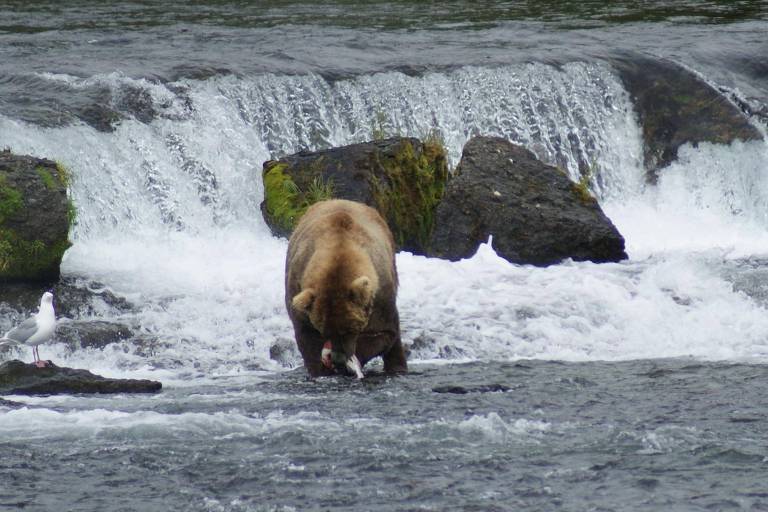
point(38, 362)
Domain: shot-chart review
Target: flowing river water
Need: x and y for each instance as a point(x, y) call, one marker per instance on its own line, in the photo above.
point(640, 385)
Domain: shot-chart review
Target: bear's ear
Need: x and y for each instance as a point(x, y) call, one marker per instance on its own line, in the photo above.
point(303, 300)
point(361, 290)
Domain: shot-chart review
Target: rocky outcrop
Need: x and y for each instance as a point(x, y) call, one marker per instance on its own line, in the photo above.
point(20, 378)
point(402, 178)
point(35, 217)
point(676, 107)
point(535, 213)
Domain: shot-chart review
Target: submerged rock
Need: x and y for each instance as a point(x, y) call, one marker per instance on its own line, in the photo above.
point(35, 217)
point(535, 213)
point(91, 333)
point(285, 352)
point(463, 390)
point(19, 378)
point(403, 178)
point(676, 107)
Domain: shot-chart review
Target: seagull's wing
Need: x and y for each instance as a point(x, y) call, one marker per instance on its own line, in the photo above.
point(24, 331)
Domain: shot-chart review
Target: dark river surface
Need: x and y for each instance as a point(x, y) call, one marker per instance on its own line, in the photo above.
point(640, 385)
point(525, 435)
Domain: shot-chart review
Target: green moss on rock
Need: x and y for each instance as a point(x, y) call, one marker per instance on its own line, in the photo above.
point(64, 175)
point(25, 259)
point(48, 180)
point(581, 189)
point(33, 241)
point(10, 200)
point(412, 189)
point(285, 201)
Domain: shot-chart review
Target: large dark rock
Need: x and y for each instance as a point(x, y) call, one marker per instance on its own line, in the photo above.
point(676, 107)
point(535, 213)
point(35, 217)
point(402, 178)
point(20, 378)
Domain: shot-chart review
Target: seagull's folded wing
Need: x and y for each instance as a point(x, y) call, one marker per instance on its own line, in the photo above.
point(24, 331)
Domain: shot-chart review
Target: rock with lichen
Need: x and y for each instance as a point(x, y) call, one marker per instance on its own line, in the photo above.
point(403, 178)
point(534, 212)
point(35, 218)
point(676, 107)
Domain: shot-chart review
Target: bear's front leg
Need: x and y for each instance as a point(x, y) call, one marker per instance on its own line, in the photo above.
point(310, 344)
point(394, 358)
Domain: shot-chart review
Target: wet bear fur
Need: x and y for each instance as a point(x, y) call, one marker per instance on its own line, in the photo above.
point(341, 286)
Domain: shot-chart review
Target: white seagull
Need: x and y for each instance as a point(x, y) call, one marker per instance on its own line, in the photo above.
point(34, 330)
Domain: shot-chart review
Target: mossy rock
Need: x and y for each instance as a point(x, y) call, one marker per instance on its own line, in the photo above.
point(676, 107)
point(35, 218)
point(403, 178)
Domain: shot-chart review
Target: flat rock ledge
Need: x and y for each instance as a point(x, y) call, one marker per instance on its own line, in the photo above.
point(19, 378)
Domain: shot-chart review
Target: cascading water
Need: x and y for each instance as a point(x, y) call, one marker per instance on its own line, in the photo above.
point(168, 215)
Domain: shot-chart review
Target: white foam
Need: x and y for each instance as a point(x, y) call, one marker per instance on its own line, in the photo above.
point(169, 218)
point(714, 196)
point(494, 428)
point(35, 423)
point(484, 307)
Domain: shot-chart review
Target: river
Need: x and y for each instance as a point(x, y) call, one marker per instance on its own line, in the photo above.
point(638, 385)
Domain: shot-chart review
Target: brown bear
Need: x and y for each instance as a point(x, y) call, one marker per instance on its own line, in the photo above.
point(341, 289)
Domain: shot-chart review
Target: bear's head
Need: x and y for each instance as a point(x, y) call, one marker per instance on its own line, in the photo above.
point(339, 313)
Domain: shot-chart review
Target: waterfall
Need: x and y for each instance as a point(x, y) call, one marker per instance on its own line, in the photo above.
point(197, 164)
point(168, 214)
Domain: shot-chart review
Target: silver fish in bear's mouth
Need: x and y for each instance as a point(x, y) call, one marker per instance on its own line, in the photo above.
point(330, 359)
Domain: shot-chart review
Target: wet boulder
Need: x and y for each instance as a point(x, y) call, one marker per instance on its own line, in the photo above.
point(403, 178)
point(534, 212)
point(91, 333)
point(285, 352)
point(18, 378)
point(35, 218)
point(677, 107)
